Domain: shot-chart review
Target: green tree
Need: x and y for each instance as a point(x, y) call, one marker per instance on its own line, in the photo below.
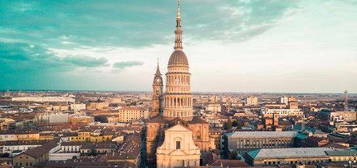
point(228, 125)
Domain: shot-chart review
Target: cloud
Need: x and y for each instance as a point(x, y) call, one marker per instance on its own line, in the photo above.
point(126, 64)
point(134, 23)
point(25, 58)
point(86, 61)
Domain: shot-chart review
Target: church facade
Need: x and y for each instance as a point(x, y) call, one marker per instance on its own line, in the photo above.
point(175, 137)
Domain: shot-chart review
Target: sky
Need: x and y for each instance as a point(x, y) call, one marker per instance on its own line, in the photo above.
point(232, 45)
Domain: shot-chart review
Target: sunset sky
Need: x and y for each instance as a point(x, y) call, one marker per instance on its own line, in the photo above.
point(232, 45)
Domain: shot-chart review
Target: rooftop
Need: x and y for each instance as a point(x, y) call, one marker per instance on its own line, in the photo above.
point(342, 153)
point(289, 153)
point(41, 150)
point(262, 134)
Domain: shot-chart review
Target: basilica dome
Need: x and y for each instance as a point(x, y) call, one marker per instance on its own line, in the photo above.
point(178, 57)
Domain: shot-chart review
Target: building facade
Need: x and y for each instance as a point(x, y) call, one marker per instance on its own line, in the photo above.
point(128, 114)
point(251, 101)
point(282, 112)
point(346, 116)
point(215, 108)
point(248, 140)
point(178, 149)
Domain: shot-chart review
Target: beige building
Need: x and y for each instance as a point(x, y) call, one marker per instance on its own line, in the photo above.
point(127, 114)
point(5, 123)
point(293, 105)
point(178, 149)
point(80, 119)
point(346, 116)
point(35, 156)
point(215, 108)
point(112, 119)
point(115, 100)
point(98, 106)
point(251, 101)
point(19, 136)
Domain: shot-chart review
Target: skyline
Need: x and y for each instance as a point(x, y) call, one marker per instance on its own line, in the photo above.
point(67, 49)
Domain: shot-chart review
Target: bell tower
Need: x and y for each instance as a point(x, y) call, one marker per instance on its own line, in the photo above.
point(157, 93)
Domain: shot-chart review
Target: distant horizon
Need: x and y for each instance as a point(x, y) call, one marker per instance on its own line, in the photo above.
point(194, 92)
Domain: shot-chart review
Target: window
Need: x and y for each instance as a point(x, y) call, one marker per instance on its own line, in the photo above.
point(178, 145)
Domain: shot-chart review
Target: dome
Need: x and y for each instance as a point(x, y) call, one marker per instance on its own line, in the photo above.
point(178, 57)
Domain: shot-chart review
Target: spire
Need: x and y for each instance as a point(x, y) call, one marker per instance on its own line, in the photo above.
point(158, 73)
point(178, 12)
point(178, 31)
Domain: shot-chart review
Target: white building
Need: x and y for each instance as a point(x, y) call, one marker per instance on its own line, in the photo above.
point(58, 154)
point(241, 140)
point(284, 100)
point(283, 112)
point(44, 99)
point(71, 147)
point(52, 117)
point(8, 137)
point(77, 107)
point(10, 147)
